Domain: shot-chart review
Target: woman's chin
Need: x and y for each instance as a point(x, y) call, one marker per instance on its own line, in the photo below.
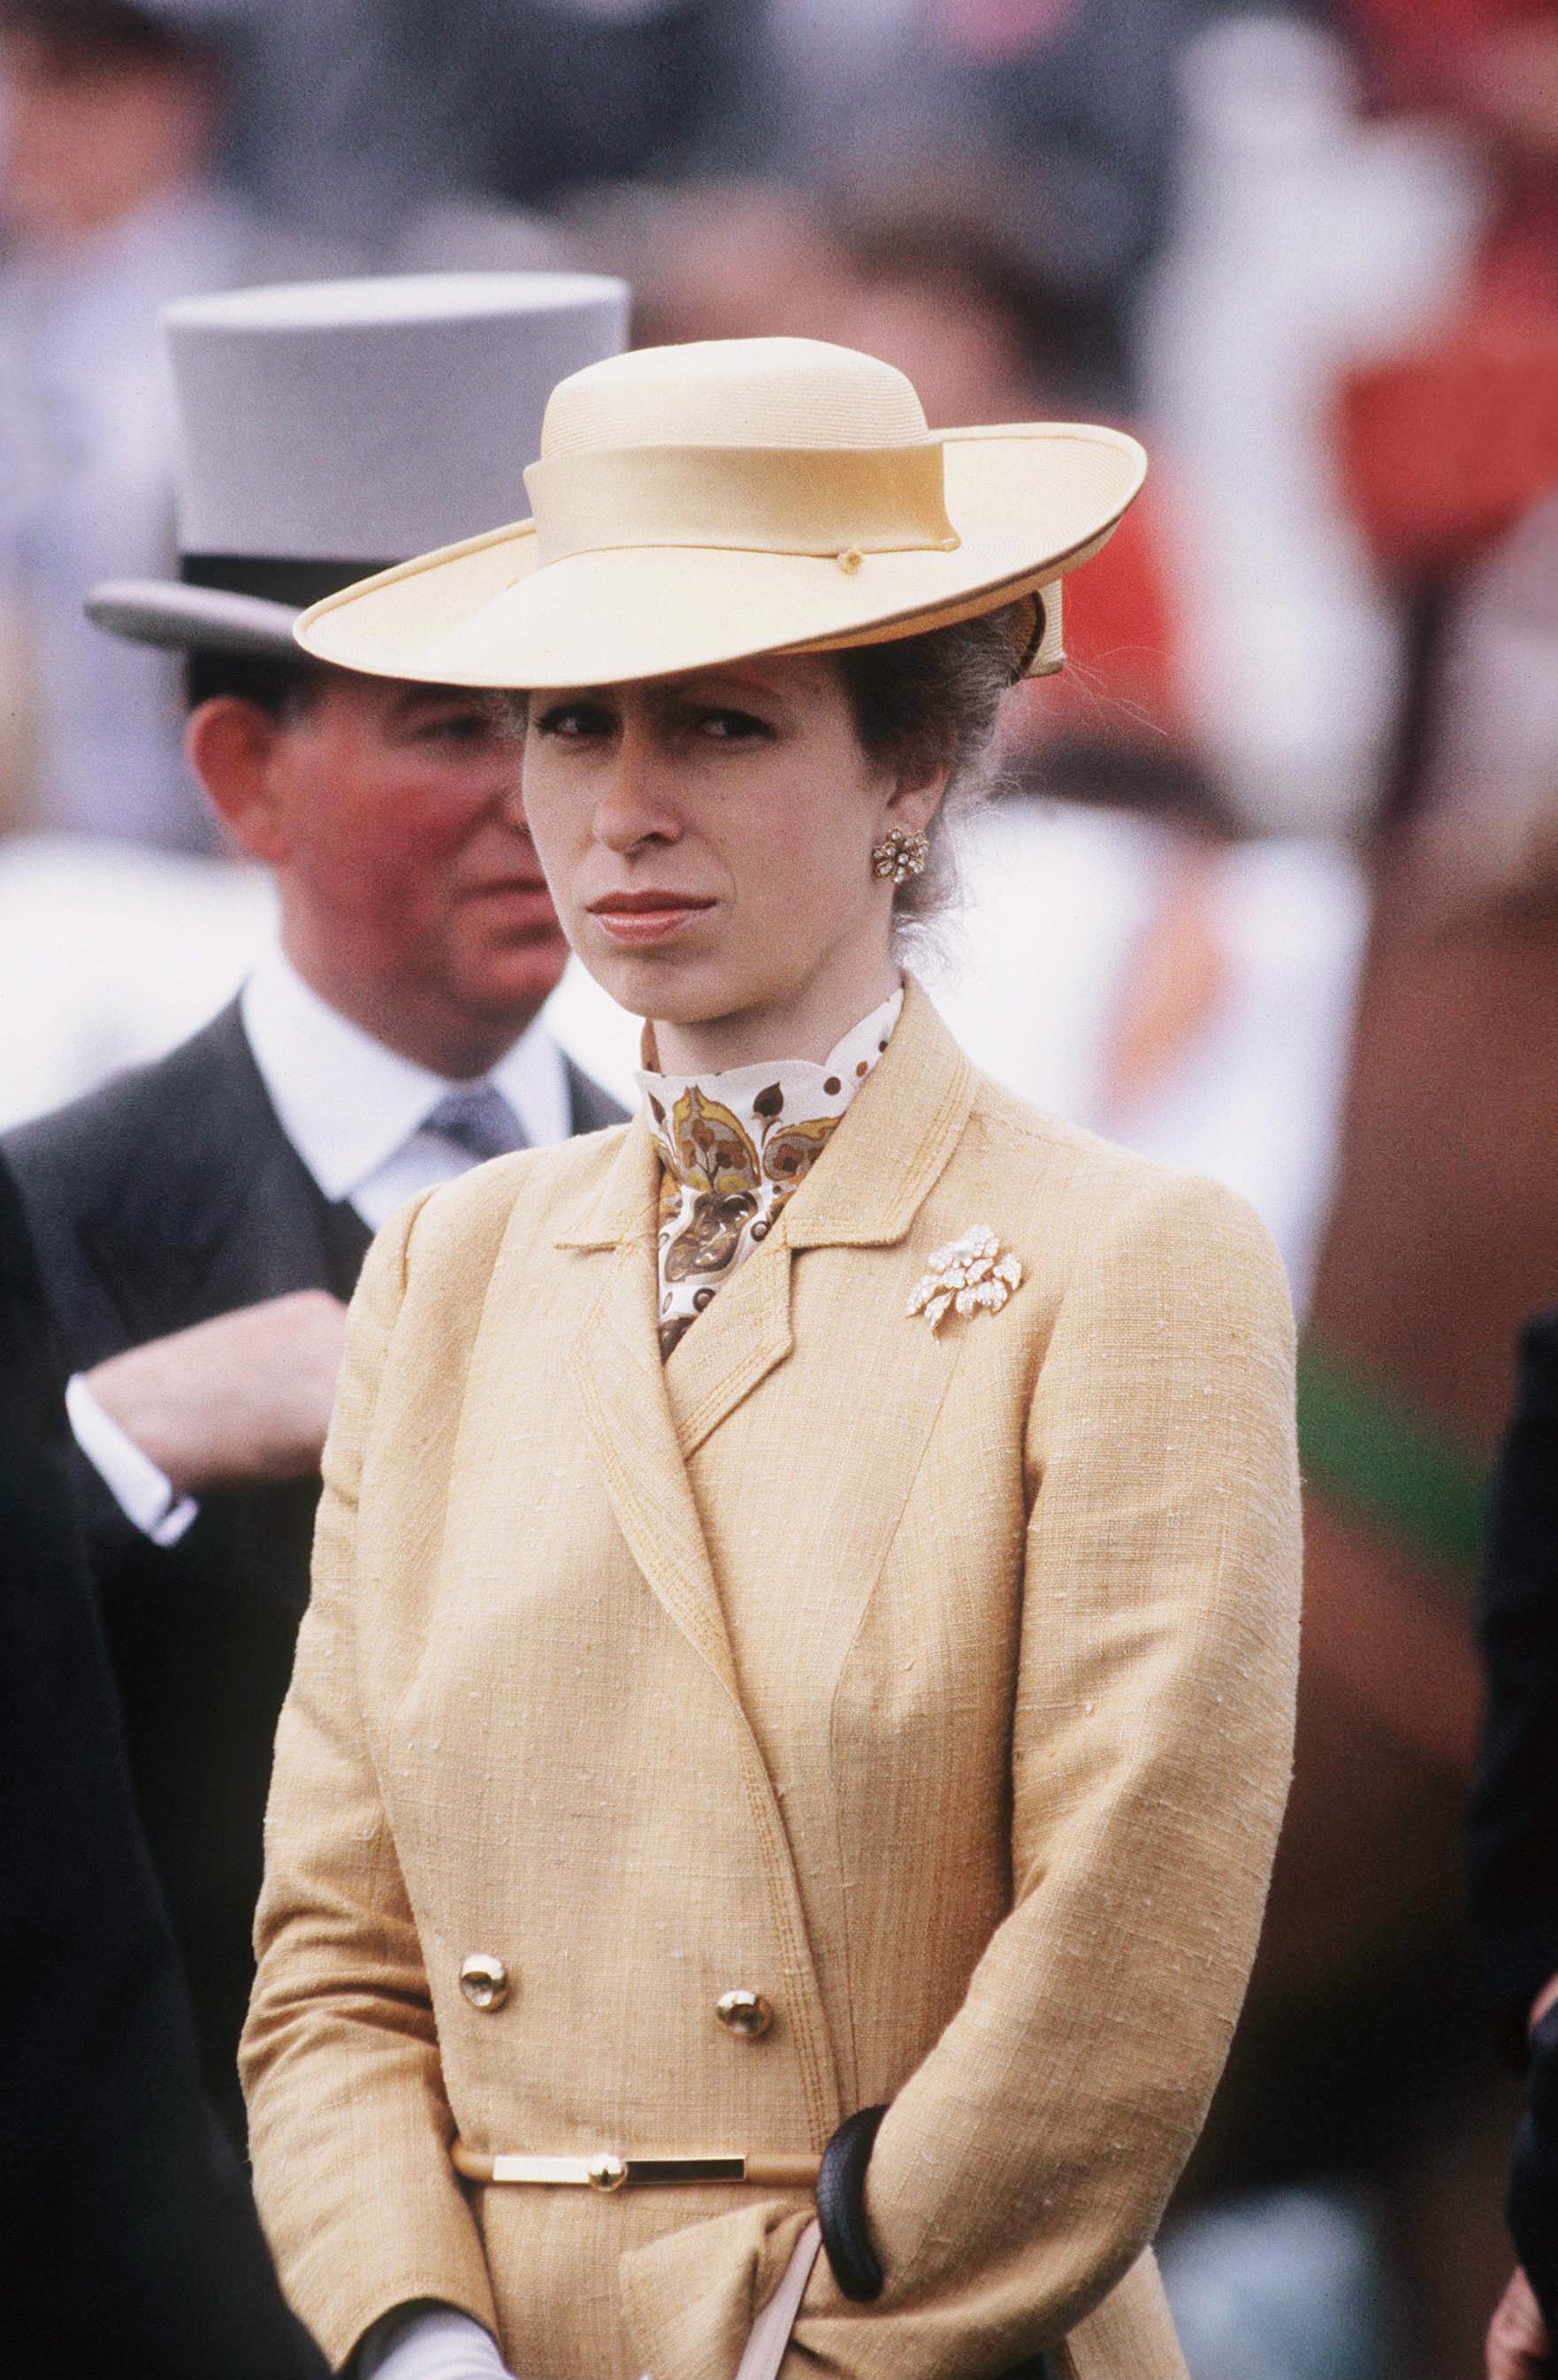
point(663, 982)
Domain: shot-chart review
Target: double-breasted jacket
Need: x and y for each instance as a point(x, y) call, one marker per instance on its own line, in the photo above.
point(934, 1684)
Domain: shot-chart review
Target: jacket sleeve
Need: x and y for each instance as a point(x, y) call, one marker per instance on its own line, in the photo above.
point(349, 2128)
point(1025, 2166)
point(1513, 1841)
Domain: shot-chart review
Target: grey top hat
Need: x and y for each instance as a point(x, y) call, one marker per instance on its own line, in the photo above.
point(330, 428)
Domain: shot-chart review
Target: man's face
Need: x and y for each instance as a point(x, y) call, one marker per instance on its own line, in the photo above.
point(411, 893)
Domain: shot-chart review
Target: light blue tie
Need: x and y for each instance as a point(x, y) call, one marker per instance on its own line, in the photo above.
point(479, 1119)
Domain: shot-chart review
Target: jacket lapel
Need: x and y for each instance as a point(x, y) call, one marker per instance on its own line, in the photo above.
point(734, 1346)
point(621, 1381)
point(892, 1144)
point(648, 1417)
point(220, 1211)
point(590, 1109)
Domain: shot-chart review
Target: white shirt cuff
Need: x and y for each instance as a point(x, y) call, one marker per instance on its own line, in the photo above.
point(428, 2342)
point(142, 1492)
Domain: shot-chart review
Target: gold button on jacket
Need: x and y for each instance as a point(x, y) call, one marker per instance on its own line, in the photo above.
point(747, 2014)
point(484, 1981)
point(935, 1685)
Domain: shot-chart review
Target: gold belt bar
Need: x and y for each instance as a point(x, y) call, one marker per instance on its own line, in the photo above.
point(606, 2172)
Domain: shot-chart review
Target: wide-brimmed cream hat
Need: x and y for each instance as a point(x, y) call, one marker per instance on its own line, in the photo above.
point(702, 503)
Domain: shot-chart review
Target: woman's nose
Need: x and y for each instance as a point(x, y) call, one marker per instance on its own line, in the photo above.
point(635, 801)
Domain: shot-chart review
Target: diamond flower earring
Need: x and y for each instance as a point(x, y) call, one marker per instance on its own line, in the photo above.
point(900, 854)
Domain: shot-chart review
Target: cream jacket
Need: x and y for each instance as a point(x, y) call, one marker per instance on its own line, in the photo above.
point(937, 1686)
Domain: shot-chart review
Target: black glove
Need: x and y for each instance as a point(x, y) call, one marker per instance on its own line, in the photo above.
point(1532, 2206)
point(841, 2214)
point(841, 2206)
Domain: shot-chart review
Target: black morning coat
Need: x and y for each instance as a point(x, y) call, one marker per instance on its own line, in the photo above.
point(169, 1197)
point(1513, 1841)
point(129, 2242)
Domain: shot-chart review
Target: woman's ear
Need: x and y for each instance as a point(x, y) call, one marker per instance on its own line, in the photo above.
point(918, 794)
point(230, 744)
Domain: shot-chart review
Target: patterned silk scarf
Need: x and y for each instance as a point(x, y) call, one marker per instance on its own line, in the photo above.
point(734, 1149)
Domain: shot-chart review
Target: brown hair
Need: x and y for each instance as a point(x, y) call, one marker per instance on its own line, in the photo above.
point(933, 701)
point(284, 689)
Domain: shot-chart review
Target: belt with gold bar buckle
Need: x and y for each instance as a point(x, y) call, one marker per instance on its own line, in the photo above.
point(605, 2171)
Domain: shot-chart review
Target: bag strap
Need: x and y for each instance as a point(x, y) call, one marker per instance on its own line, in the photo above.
point(771, 2332)
point(769, 2337)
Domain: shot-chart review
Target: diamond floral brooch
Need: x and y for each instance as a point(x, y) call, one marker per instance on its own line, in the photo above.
point(968, 1274)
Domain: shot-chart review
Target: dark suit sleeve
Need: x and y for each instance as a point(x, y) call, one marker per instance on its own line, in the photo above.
point(129, 2242)
point(1513, 1833)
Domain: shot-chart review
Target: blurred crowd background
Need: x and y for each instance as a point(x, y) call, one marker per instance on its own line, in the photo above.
point(1272, 885)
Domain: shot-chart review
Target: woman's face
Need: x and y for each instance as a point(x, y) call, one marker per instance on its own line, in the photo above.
point(707, 838)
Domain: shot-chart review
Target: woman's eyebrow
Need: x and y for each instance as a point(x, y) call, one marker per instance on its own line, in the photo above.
point(735, 693)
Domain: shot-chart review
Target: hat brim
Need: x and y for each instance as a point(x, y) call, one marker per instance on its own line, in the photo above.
point(1029, 500)
point(166, 612)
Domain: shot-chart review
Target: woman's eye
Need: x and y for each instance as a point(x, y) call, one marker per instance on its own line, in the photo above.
point(732, 726)
point(574, 719)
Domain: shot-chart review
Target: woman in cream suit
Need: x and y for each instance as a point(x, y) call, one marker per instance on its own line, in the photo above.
point(806, 1594)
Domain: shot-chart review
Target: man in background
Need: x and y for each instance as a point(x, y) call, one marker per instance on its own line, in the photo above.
point(201, 1221)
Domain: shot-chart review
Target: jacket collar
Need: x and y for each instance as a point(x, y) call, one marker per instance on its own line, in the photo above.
point(876, 1172)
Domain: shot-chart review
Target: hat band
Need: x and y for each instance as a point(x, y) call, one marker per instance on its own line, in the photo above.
point(273, 579)
point(834, 501)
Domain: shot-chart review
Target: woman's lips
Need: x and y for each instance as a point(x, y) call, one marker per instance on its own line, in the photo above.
point(636, 919)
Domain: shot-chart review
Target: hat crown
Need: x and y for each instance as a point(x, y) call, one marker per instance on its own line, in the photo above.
point(784, 392)
point(360, 421)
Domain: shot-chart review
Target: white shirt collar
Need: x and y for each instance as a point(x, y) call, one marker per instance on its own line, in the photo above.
point(349, 1105)
point(810, 1089)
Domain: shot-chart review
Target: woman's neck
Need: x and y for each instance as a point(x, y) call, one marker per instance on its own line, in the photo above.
point(808, 1024)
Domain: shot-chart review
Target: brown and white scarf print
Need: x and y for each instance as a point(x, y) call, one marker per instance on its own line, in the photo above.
point(734, 1148)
